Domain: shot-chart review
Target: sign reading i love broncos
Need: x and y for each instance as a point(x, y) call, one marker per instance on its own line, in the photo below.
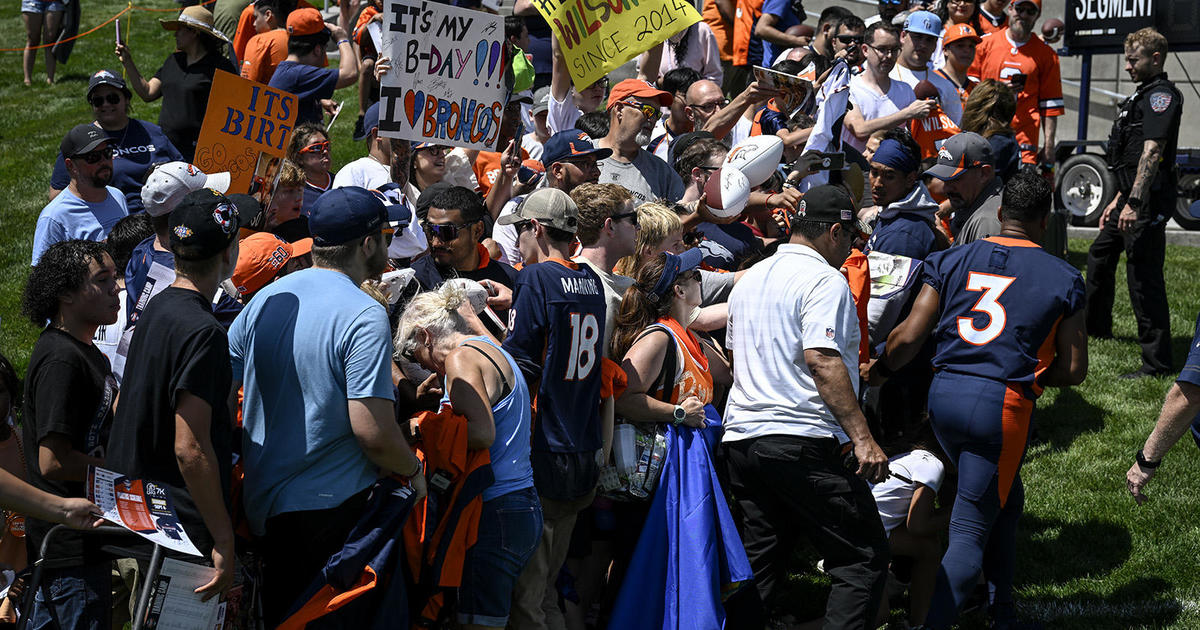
point(446, 85)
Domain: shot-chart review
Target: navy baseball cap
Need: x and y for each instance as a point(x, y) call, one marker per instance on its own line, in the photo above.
point(370, 121)
point(676, 265)
point(568, 144)
point(345, 214)
point(203, 224)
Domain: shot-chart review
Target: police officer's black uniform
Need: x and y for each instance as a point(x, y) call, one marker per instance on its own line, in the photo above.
point(1152, 113)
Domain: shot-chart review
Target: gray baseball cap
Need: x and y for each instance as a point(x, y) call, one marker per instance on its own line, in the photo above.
point(550, 206)
point(960, 152)
point(541, 100)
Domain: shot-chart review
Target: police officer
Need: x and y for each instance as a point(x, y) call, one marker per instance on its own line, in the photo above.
point(1141, 153)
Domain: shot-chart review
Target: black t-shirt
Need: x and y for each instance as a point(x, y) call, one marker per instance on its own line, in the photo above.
point(178, 345)
point(69, 390)
point(185, 97)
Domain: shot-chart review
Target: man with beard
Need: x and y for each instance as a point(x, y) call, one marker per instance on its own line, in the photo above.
point(455, 226)
point(966, 165)
point(633, 108)
point(570, 160)
point(89, 207)
point(313, 353)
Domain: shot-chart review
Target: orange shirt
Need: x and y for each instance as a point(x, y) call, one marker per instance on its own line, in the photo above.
point(721, 31)
point(858, 274)
point(986, 26)
point(245, 28)
point(487, 169)
point(998, 58)
point(746, 13)
point(263, 54)
point(931, 131)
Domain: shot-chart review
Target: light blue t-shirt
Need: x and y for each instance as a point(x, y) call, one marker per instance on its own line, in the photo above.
point(68, 217)
point(303, 346)
point(513, 418)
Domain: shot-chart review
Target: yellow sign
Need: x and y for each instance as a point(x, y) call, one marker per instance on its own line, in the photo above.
point(597, 36)
point(246, 129)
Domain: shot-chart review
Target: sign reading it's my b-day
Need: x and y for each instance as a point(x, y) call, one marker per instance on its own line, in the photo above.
point(446, 85)
point(597, 36)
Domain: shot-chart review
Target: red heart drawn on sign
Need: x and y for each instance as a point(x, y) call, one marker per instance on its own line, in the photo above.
point(409, 110)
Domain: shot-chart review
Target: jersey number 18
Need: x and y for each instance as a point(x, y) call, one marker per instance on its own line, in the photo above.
point(993, 287)
point(585, 333)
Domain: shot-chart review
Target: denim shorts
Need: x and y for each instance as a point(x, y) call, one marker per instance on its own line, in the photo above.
point(42, 6)
point(510, 529)
point(81, 598)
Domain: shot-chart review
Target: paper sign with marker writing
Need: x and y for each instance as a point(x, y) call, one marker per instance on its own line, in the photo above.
point(597, 36)
point(246, 129)
point(446, 85)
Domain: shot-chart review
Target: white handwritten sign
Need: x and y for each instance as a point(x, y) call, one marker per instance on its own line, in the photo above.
point(446, 85)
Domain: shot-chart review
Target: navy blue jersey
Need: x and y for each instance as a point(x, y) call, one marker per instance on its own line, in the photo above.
point(1001, 302)
point(555, 332)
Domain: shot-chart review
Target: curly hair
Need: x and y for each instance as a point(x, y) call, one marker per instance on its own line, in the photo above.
point(302, 137)
point(62, 269)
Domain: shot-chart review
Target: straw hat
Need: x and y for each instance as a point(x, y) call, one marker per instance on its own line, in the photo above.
point(196, 17)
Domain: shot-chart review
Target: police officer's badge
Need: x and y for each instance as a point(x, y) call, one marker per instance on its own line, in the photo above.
point(1160, 101)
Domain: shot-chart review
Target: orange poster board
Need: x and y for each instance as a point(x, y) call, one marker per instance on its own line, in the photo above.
point(246, 130)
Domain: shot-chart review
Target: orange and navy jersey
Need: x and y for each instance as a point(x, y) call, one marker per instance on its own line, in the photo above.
point(722, 32)
point(692, 377)
point(360, 27)
point(555, 332)
point(988, 25)
point(1032, 70)
point(964, 90)
point(747, 49)
point(487, 169)
point(1001, 301)
point(857, 270)
point(930, 132)
point(768, 120)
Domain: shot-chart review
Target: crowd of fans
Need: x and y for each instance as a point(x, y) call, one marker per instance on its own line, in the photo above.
point(587, 397)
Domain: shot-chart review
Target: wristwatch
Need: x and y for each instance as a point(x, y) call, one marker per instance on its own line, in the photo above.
point(679, 415)
point(1145, 463)
point(1134, 202)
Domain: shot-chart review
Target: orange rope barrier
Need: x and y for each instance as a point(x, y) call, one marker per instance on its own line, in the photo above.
point(89, 32)
point(127, 9)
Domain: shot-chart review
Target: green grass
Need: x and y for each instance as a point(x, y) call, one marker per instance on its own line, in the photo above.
point(1088, 557)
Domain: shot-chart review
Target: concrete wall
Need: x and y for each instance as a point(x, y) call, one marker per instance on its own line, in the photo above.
point(1107, 74)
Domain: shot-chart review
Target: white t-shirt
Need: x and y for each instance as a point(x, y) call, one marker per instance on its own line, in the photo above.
point(782, 306)
point(532, 146)
point(365, 172)
point(949, 99)
point(561, 115)
point(872, 104)
point(703, 55)
point(615, 286)
point(894, 495)
point(741, 131)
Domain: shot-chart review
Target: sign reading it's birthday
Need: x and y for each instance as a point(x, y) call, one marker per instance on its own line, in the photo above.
point(246, 130)
point(446, 84)
point(597, 36)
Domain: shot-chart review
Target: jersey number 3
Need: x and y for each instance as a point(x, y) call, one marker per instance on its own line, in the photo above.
point(585, 333)
point(993, 287)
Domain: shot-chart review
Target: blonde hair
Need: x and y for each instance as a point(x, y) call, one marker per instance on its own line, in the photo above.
point(1149, 39)
point(435, 311)
point(290, 175)
point(655, 223)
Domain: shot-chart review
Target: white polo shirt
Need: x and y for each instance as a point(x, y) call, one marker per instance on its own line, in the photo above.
point(785, 304)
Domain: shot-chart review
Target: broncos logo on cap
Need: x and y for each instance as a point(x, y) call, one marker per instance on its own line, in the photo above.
point(944, 154)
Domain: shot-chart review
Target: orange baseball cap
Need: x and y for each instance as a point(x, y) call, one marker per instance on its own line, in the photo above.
point(638, 89)
point(260, 258)
point(955, 32)
point(306, 21)
point(1037, 3)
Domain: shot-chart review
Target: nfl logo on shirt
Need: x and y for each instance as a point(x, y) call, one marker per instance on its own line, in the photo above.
point(829, 333)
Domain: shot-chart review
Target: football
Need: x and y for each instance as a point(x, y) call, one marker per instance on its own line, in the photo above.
point(727, 192)
point(1052, 30)
point(925, 89)
point(756, 157)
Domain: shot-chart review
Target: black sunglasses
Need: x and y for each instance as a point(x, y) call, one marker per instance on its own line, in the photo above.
point(446, 232)
point(521, 226)
point(626, 215)
point(850, 39)
point(92, 157)
point(112, 99)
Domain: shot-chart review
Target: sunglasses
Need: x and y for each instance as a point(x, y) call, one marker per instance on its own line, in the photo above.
point(1026, 9)
point(316, 147)
point(446, 232)
point(651, 112)
point(632, 216)
point(850, 39)
point(92, 157)
point(521, 226)
point(111, 99)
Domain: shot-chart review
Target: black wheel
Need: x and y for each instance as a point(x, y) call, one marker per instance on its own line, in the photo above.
point(1189, 193)
point(1084, 187)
